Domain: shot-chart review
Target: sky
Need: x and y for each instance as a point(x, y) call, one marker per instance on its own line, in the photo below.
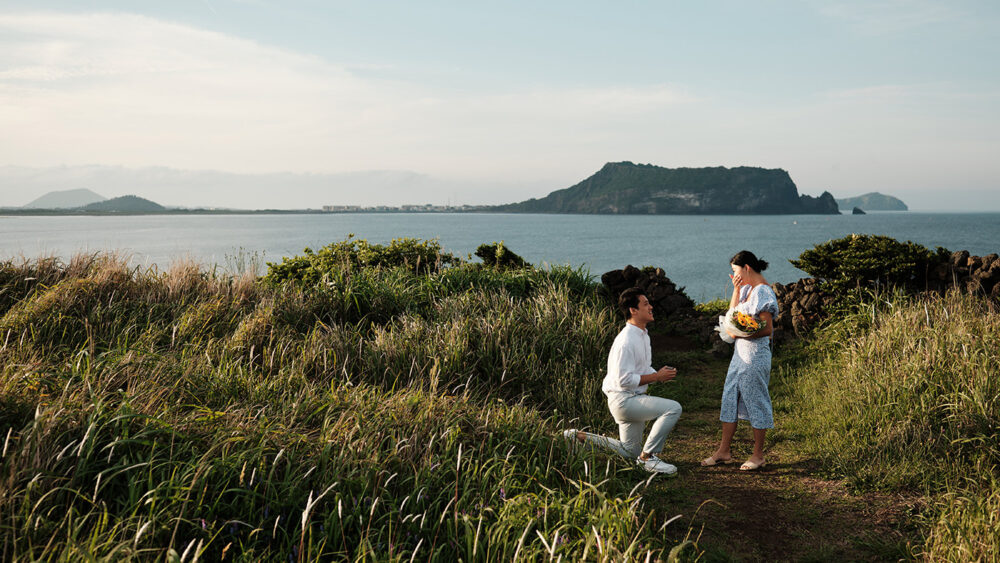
point(254, 103)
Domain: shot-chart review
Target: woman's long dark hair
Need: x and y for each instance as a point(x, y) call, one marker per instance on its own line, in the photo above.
point(747, 258)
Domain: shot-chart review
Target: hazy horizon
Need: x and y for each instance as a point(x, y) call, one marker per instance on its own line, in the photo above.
point(259, 104)
point(179, 188)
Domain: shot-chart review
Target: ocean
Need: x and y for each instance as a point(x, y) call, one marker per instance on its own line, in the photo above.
point(694, 251)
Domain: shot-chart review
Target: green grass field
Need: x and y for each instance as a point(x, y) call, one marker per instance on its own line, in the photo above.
point(395, 414)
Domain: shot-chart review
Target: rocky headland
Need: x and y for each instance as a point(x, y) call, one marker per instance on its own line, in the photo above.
point(645, 189)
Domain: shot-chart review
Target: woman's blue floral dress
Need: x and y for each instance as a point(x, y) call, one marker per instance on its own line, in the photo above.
point(745, 394)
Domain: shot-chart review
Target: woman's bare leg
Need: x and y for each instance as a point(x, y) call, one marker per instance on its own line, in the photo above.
point(758, 446)
point(724, 452)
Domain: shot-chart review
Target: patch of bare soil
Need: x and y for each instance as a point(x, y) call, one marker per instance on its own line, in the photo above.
point(787, 511)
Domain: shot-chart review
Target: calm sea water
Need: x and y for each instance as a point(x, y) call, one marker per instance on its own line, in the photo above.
point(694, 251)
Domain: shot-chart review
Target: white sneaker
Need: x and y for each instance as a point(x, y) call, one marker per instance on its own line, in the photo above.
point(656, 465)
point(571, 435)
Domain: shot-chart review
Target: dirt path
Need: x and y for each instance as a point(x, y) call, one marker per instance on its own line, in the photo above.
point(786, 511)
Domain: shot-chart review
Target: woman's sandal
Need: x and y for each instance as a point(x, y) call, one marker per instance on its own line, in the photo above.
point(751, 466)
point(712, 460)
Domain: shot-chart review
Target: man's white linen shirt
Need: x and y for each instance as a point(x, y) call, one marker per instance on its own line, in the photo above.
point(631, 357)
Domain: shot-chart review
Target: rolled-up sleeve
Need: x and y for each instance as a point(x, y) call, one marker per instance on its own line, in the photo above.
point(628, 360)
point(625, 362)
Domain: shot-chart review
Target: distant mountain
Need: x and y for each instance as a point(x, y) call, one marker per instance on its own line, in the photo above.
point(873, 201)
point(627, 188)
point(125, 204)
point(215, 189)
point(65, 199)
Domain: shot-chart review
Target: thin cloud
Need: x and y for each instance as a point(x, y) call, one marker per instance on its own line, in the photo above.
point(136, 91)
point(887, 17)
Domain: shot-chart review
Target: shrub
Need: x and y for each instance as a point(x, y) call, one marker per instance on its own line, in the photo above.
point(417, 256)
point(498, 255)
point(869, 260)
point(713, 308)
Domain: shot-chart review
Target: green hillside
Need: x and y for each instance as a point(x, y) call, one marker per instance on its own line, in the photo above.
point(125, 204)
point(627, 188)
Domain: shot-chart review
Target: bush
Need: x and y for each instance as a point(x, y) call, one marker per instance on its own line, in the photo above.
point(869, 260)
point(713, 308)
point(497, 255)
point(415, 255)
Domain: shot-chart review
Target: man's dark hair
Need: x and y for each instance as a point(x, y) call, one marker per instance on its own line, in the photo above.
point(629, 299)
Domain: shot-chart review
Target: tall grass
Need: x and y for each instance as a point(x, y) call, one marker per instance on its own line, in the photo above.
point(383, 416)
point(903, 394)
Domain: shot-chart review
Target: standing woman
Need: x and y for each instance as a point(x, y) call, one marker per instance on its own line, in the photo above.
point(745, 394)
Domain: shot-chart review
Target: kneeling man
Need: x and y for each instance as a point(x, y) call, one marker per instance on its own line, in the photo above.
point(630, 372)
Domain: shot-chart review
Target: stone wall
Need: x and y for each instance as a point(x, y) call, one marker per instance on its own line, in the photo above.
point(801, 303)
point(975, 274)
point(668, 301)
point(800, 307)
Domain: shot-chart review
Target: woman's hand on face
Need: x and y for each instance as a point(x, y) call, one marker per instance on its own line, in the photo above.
point(737, 280)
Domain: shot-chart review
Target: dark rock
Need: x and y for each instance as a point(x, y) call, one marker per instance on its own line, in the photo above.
point(721, 349)
point(990, 261)
point(614, 278)
point(858, 211)
point(631, 273)
point(657, 293)
point(800, 324)
point(987, 278)
point(796, 309)
point(672, 309)
point(677, 302)
point(941, 272)
point(960, 258)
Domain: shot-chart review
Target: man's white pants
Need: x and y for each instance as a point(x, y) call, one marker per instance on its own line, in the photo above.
point(631, 412)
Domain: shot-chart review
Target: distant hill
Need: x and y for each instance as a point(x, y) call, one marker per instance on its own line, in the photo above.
point(873, 201)
point(627, 188)
point(125, 204)
point(65, 199)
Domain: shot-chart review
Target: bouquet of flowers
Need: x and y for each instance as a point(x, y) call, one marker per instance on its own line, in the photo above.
point(740, 324)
